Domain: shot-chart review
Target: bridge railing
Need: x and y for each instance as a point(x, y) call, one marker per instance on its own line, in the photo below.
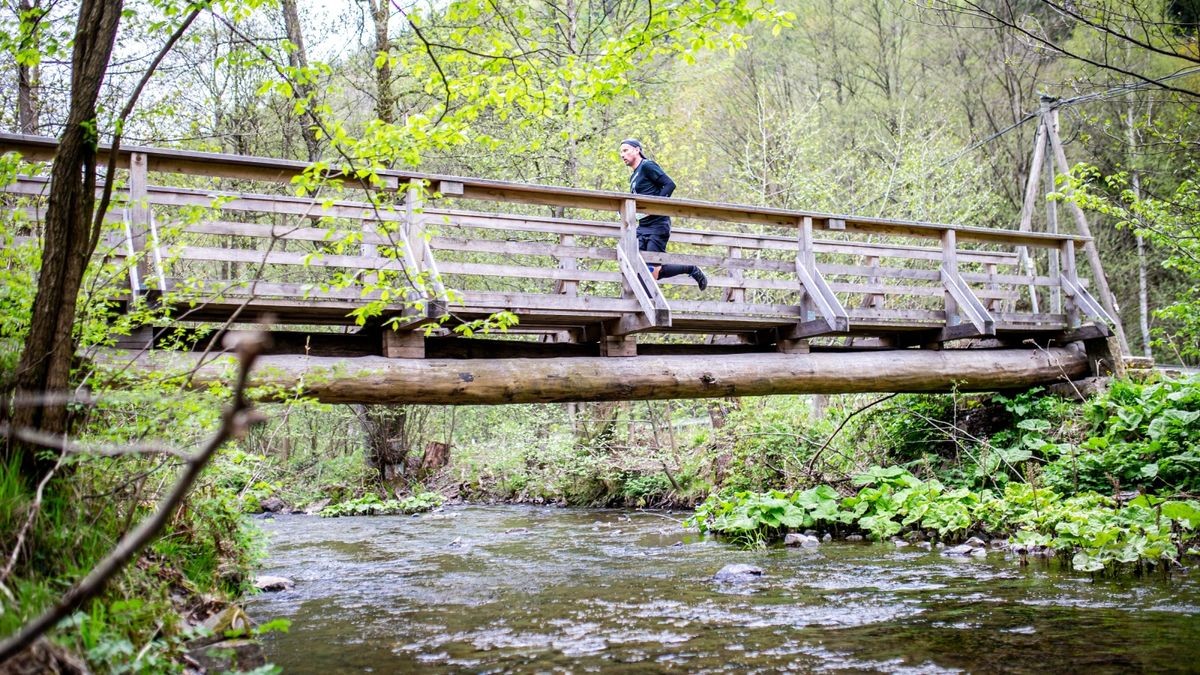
point(222, 236)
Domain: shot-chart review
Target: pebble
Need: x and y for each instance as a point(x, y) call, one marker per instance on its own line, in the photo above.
point(805, 540)
point(269, 584)
point(738, 572)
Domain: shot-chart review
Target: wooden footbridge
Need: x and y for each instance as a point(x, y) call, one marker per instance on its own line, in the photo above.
point(392, 296)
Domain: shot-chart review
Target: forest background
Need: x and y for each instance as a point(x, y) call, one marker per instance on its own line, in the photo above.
point(882, 108)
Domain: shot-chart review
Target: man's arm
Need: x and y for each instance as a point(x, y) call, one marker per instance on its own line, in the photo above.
point(662, 182)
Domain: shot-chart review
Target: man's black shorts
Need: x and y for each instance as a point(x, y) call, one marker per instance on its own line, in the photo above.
point(655, 242)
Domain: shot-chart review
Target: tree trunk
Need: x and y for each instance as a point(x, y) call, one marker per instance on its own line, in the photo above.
point(297, 58)
point(28, 75)
point(437, 455)
point(374, 379)
point(70, 237)
point(385, 100)
point(386, 429)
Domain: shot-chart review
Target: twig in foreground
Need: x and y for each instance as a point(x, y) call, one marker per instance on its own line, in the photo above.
point(236, 421)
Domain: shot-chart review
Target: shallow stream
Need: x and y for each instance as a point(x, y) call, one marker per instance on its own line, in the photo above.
point(516, 589)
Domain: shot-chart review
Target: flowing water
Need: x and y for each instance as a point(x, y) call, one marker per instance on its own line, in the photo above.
point(516, 589)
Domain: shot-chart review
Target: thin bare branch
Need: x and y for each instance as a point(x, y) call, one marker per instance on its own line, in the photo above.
point(67, 446)
point(816, 455)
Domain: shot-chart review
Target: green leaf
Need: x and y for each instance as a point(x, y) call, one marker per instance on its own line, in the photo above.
point(1187, 512)
point(1086, 563)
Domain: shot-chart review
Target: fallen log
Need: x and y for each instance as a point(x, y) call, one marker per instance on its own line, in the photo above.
point(375, 379)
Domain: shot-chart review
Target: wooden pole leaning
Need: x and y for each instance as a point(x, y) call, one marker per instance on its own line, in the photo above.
point(1089, 246)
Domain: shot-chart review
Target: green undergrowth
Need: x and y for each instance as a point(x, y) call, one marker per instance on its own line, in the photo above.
point(371, 505)
point(206, 554)
point(1111, 483)
point(1092, 529)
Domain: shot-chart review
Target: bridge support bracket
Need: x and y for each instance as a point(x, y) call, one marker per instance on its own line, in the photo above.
point(403, 344)
point(618, 345)
point(786, 346)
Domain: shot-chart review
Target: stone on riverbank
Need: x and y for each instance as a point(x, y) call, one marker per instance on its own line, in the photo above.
point(805, 540)
point(972, 547)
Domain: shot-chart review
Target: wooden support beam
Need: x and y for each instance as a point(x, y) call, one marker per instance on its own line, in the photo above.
point(793, 347)
point(618, 345)
point(1068, 279)
point(372, 380)
point(968, 306)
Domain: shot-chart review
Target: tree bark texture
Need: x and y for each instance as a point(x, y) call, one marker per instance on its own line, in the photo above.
point(385, 100)
point(28, 75)
point(70, 238)
point(298, 59)
point(388, 439)
point(374, 379)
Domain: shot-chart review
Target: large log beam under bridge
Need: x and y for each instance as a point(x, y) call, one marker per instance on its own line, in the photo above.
point(379, 380)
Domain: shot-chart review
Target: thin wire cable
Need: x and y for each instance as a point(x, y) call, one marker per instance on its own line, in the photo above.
point(1059, 103)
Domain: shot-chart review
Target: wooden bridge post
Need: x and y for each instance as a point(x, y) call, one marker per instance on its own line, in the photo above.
point(413, 230)
point(369, 250)
point(1055, 263)
point(966, 316)
point(806, 259)
point(950, 262)
point(735, 294)
point(820, 310)
point(138, 226)
point(141, 242)
point(1070, 275)
point(567, 287)
point(637, 282)
point(994, 303)
point(408, 340)
point(873, 300)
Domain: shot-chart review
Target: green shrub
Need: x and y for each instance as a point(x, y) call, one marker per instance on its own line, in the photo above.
point(1141, 436)
point(1091, 529)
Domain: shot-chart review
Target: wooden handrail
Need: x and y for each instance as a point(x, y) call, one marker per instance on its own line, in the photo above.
point(39, 148)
